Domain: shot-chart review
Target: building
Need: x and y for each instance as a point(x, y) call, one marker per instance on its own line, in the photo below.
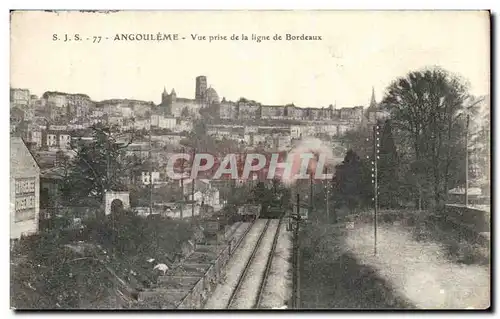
point(211, 96)
point(141, 150)
point(248, 110)
point(284, 142)
point(204, 192)
point(163, 122)
point(228, 110)
point(167, 123)
point(295, 113)
point(20, 97)
point(64, 141)
point(79, 105)
point(36, 138)
point(142, 124)
point(50, 193)
point(24, 190)
point(201, 88)
point(170, 138)
point(172, 105)
point(251, 110)
point(54, 139)
point(183, 126)
point(126, 108)
point(145, 176)
point(115, 120)
point(55, 99)
point(374, 112)
point(273, 112)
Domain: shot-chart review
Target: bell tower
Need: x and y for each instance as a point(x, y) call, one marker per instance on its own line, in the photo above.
point(164, 95)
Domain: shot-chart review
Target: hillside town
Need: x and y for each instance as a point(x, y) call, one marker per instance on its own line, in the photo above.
point(48, 124)
point(250, 160)
point(90, 178)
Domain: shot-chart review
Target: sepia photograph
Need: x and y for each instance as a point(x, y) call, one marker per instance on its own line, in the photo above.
point(259, 160)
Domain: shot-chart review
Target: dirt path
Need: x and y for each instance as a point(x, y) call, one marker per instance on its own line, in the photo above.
point(420, 271)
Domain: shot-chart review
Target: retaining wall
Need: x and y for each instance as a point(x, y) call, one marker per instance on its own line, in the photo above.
point(195, 279)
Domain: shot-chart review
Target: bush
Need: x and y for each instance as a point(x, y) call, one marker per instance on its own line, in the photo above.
point(124, 243)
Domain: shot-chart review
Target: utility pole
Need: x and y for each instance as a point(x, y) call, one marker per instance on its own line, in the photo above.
point(150, 175)
point(192, 189)
point(376, 145)
point(311, 194)
point(297, 258)
point(327, 195)
point(467, 161)
point(182, 186)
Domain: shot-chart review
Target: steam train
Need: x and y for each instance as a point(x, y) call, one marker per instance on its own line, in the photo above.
point(272, 209)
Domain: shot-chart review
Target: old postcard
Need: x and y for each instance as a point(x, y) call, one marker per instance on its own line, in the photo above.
point(250, 160)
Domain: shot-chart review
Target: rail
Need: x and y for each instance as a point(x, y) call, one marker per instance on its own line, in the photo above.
point(231, 251)
point(268, 266)
point(240, 240)
point(247, 265)
point(296, 268)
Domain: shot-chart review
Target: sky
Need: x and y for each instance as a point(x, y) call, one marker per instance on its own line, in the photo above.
point(359, 50)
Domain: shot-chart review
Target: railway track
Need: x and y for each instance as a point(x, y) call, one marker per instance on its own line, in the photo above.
point(248, 291)
point(240, 239)
point(268, 267)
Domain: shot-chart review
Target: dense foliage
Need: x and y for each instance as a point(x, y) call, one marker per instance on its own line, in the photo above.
point(48, 274)
point(422, 148)
point(100, 165)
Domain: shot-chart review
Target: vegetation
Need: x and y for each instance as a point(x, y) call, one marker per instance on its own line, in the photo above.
point(421, 149)
point(100, 165)
point(424, 106)
point(333, 274)
point(46, 273)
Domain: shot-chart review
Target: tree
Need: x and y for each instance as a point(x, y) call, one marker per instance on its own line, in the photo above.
point(470, 110)
point(388, 166)
point(359, 140)
point(98, 166)
point(185, 112)
point(352, 187)
point(423, 105)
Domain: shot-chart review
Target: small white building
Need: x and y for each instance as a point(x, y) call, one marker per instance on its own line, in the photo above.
point(145, 177)
point(64, 141)
point(51, 140)
point(167, 123)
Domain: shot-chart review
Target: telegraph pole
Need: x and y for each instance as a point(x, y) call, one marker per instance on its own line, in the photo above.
point(311, 194)
point(327, 200)
point(376, 141)
point(150, 175)
point(182, 185)
point(297, 256)
point(192, 189)
point(467, 161)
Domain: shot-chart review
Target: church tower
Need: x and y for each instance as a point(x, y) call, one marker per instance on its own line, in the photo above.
point(173, 96)
point(164, 96)
point(373, 102)
point(201, 88)
point(166, 102)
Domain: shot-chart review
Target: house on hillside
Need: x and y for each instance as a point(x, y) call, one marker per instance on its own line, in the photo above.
point(24, 190)
point(204, 192)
